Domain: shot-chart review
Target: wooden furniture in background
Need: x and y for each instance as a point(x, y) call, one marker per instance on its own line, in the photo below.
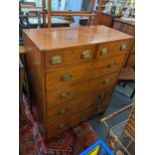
point(72, 73)
point(36, 20)
point(92, 16)
point(107, 19)
point(47, 14)
point(129, 28)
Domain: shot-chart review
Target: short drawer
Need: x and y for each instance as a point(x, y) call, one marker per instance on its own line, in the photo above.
point(114, 48)
point(84, 88)
point(69, 76)
point(62, 57)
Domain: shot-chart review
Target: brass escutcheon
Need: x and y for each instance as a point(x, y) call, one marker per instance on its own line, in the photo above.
point(64, 95)
point(63, 111)
point(124, 47)
point(106, 81)
point(86, 54)
point(104, 51)
point(57, 59)
point(66, 77)
point(61, 126)
point(102, 96)
point(112, 64)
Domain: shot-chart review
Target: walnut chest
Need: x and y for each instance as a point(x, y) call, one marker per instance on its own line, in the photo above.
point(72, 73)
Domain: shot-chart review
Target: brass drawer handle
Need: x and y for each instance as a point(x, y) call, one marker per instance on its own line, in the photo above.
point(124, 47)
point(61, 126)
point(104, 51)
point(86, 54)
point(57, 59)
point(63, 111)
point(98, 109)
point(112, 64)
point(106, 81)
point(64, 95)
point(102, 96)
point(66, 77)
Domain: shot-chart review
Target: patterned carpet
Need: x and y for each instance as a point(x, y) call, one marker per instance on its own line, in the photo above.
point(72, 142)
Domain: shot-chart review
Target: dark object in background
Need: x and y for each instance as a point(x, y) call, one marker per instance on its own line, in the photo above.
point(23, 23)
point(112, 11)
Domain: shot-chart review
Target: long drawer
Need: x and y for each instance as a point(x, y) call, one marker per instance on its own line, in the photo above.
point(69, 76)
point(93, 85)
point(73, 106)
point(63, 124)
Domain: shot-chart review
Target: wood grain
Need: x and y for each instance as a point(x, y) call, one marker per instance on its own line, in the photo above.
point(54, 38)
point(70, 79)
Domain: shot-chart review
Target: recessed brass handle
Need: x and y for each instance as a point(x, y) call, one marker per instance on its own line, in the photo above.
point(63, 111)
point(124, 47)
point(106, 81)
point(102, 96)
point(98, 109)
point(104, 51)
point(64, 95)
point(86, 54)
point(61, 126)
point(112, 64)
point(57, 59)
point(66, 77)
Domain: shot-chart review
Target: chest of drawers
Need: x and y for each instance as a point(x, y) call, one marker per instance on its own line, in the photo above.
point(72, 73)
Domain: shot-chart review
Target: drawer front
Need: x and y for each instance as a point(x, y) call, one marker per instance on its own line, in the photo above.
point(66, 109)
point(70, 76)
point(65, 94)
point(69, 108)
point(69, 56)
point(111, 49)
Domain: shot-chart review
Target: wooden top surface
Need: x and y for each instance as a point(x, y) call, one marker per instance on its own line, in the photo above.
point(56, 38)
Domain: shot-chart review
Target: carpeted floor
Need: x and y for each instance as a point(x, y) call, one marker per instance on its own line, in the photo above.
point(72, 142)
